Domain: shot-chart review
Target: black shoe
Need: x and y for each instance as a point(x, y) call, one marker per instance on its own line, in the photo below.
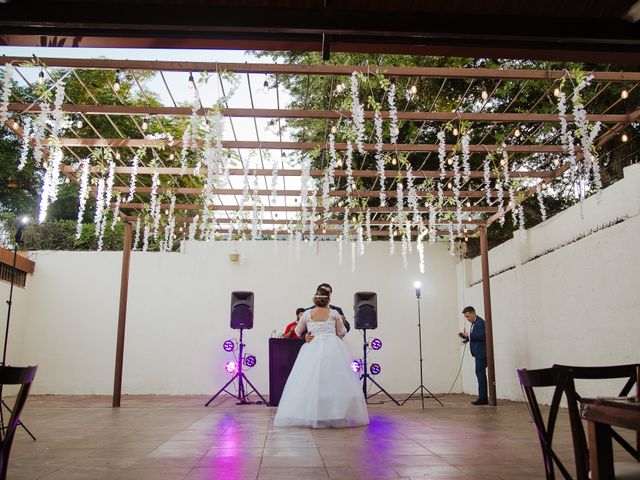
point(480, 402)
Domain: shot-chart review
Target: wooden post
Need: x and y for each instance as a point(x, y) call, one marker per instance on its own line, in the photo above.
point(486, 293)
point(122, 314)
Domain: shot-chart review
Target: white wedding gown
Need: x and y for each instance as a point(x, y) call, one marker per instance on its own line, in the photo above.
point(322, 389)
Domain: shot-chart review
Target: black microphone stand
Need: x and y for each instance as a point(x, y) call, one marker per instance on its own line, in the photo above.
point(421, 388)
point(18, 240)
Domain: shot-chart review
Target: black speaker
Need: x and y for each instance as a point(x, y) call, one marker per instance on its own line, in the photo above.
point(241, 310)
point(365, 310)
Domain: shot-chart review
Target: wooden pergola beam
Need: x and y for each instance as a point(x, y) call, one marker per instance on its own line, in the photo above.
point(488, 117)
point(252, 144)
point(280, 208)
point(313, 172)
point(276, 221)
point(346, 70)
point(327, 232)
point(296, 193)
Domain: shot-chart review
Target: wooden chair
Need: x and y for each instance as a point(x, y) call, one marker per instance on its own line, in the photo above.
point(558, 378)
point(628, 372)
point(22, 376)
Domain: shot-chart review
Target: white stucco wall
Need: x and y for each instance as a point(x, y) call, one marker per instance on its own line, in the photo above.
point(178, 314)
point(576, 305)
point(17, 321)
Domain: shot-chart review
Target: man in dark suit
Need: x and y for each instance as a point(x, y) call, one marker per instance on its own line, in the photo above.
point(476, 339)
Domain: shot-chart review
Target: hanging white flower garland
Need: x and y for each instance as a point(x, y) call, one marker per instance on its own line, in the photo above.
point(486, 166)
point(357, 113)
point(466, 154)
point(97, 216)
point(452, 245)
point(39, 132)
point(50, 182)
point(432, 223)
point(145, 239)
point(6, 92)
point(171, 225)
point(501, 212)
point(116, 211)
point(543, 210)
point(442, 160)
point(255, 202)
point(392, 245)
point(456, 191)
point(274, 181)
point(155, 203)
point(368, 225)
point(377, 123)
point(193, 228)
point(82, 194)
point(57, 114)
point(136, 238)
point(420, 248)
point(24, 149)
point(393, 114)
point(412, 196)
point(132, 178)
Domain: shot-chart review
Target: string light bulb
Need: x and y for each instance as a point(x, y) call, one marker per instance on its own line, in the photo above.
point(324, 230)
point(79, 124)
point(556, 162)
point(624, 137)
point(413, 89)
point(144, 125)
point(449, 161)
point(449, 185)
point(171, 156)
point(484, 94)
point(116, 84)
point(265, 85)
point(517, 132)
point(455, 131)
point(624, 94)
point(191, 83)
point(394, 160)
point(556, 92)
point(117, 155)
point(503, 162)
point(41, 77)
point(340, 88)
point(333, 129)
point(468, 204)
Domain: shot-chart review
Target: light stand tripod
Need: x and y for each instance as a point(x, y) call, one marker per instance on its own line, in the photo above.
point(366, 375)
point(421, 388)
point(241, 396)
point(17, 240)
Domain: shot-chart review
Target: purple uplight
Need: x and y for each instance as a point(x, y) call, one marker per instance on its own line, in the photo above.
point(231, 367)
point(250, 360)
point(229, 345)
point(375, 369)
point(376, 344)
point(356, 366)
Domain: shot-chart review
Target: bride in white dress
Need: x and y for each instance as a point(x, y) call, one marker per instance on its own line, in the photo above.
point(322, 389)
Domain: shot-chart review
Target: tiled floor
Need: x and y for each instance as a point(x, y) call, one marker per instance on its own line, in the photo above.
point(177, 438)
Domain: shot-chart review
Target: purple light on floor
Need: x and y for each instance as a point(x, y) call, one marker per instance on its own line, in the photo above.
point(375, 369)
point(376, 344)
point(356, 366)
point(231, 367)
point(229, 346)
point(250, 360)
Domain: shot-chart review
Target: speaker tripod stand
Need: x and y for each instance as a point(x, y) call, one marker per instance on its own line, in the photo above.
point(242, 395)
point(365, 375)
point(421, 388)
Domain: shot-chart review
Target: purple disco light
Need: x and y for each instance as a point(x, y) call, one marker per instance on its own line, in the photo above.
point(231, 367)
point(229, 345)
point(376, 344)
point(250, 360)
point(356, 366)
point(375, 369)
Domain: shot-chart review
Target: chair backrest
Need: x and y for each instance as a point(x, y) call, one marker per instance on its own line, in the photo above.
point(22, 376)
point(561, 380)
point(629, 372)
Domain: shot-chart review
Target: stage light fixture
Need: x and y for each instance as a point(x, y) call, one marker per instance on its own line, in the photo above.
point(417, 286)
point(231, 367)
point(375, 369)
point(250, 361)
point(356, 366)
point(229, 345)
point(376, 344)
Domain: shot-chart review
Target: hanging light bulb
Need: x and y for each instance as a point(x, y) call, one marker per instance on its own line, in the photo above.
point(468, 204)
point(556, 162)
point(144, 125)
point(41, 77)
point(624, 94)
point(191, 83)
point(449, 185)
point(394, 160)
point(340, 88)
point(395, 132)
point(339, 162)
point(79, 124)
point(556, 92)
point(517, 132)
point(324, 230)
point(449, 161)
point(503, 162)
point(354, 186)
point(333, 129)
point(624, 137)
point(265, 85)
point(484, 94)
point(15, 124)
point(413, 89)
point(455, 131)
point(166, 212)
point(171, 156)
point(116, 84)
point(117, 155)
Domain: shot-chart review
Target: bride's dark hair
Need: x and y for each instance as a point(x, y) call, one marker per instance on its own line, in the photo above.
point(321, 298)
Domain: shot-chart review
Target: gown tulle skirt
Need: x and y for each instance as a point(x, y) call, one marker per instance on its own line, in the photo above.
point(322, 389)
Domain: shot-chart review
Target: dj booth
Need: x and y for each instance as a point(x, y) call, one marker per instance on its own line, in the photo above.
point(282, 355)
